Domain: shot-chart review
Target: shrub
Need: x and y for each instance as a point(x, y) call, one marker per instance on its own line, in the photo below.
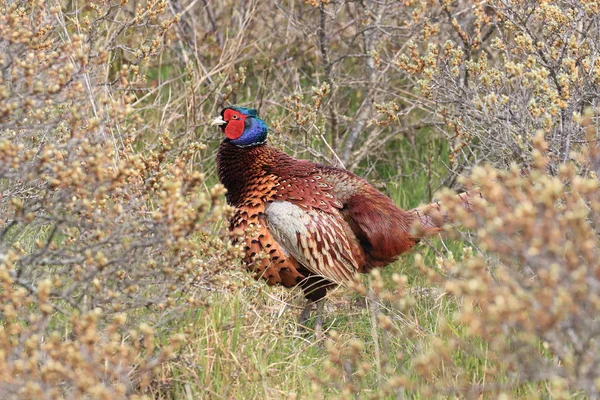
point(499, 71)
point(100, 245)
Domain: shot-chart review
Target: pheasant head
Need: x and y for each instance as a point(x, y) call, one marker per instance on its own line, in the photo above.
point(242, 127)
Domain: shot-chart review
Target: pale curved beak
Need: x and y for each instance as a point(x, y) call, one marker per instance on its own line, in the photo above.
point(218, 121)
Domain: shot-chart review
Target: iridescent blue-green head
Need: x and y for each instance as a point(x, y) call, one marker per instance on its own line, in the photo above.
point(242, 126)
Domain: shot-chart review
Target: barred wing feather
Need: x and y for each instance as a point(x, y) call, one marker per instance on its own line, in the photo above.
point(315, 238)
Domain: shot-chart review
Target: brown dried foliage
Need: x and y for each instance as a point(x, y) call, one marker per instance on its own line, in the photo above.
point(495, 72)
point(100, 245)
point(530, 289)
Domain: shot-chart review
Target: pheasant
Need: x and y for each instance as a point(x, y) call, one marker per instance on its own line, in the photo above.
point(307, 224)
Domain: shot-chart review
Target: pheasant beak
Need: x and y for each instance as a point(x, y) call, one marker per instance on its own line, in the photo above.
point(218, 121)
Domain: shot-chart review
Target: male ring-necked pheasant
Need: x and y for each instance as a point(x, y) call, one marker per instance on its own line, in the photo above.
point(318, 225)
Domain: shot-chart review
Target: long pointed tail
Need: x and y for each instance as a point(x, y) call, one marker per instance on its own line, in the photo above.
point(432, 217)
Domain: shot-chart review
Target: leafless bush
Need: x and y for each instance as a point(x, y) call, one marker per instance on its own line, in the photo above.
point(93, 234)
point(320, 72)
point(509, 69)
point(535, 300)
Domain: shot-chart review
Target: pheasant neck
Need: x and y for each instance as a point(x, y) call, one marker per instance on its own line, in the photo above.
point(254, 133)
point(238, 167)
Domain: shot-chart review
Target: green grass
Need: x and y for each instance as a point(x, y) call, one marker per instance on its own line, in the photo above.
point(246, 345)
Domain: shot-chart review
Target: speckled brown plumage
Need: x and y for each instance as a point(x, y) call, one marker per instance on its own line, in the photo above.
point(308, 224)
point(317, 225)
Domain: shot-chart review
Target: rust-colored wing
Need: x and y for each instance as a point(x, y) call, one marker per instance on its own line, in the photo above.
point(302, 183)
point(316, 239)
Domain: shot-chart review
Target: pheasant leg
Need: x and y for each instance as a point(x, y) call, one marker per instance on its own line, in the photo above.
point(319, 320)
point(306, 315)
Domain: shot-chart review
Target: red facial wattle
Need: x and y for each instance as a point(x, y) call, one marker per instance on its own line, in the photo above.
point(235, 124)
